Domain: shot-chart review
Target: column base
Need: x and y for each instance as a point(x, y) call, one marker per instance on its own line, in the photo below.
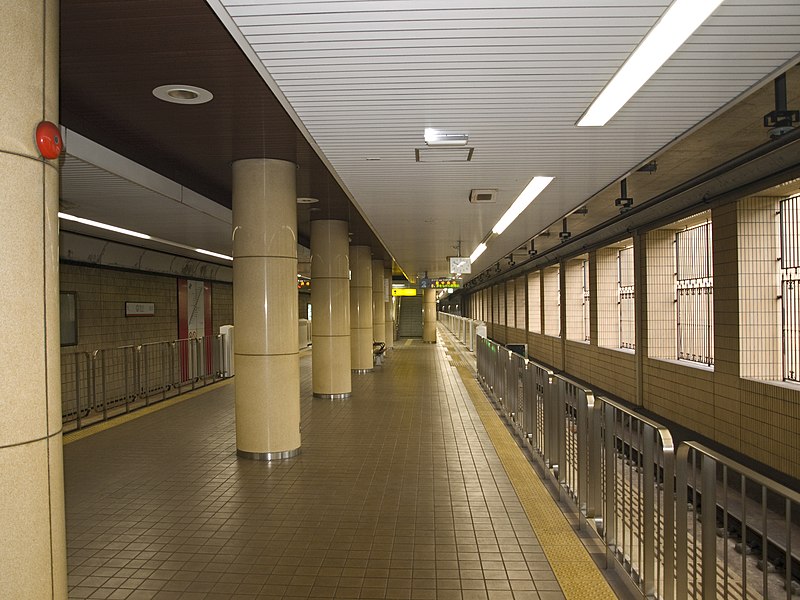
point(268, 455)
point(332, 396)
point(362, 371)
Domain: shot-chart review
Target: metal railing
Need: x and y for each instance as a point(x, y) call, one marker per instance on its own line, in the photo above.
point(729, 515)
point(642, 495)
point(100, 384)
point(465, 330)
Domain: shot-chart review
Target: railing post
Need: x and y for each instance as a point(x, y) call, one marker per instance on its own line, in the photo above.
point(610, 516)
point(103, 381)
point(709, 536)
point(582, 400)
point(561, 429)
point(681, 522)
point(649, 566)
point(669, 522)
point(78, 417)
point(142, 356)
point(594, 479)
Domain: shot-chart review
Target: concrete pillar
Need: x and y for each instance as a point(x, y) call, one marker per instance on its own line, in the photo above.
point(429, 315)
point(361, 309)
point(265, 309)
point(378, 309)
point(389, 311)
point(33, 561)
point(330, 301)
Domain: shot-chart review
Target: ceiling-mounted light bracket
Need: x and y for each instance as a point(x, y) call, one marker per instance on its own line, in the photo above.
point(781, 120)
point(533, 251)
point(623, 202)
point(564, 234)
point(583, 210)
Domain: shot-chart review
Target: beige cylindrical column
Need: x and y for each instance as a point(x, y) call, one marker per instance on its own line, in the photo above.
point(361, 309)
point(388, 310)
point(429, 315)
point(265, 309)
point(330, 307)
point(33, 561)
point(378, 310)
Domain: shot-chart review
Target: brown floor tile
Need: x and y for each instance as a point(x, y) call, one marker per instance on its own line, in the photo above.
point(397, 494)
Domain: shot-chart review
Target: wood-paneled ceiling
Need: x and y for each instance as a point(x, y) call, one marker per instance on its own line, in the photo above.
point(358, 81)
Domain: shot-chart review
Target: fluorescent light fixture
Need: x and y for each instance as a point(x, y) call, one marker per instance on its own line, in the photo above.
point(434, 137)
point(215, 254)
point(90, 223)
point(672, 30)
point(477, 252)
point(534, 188)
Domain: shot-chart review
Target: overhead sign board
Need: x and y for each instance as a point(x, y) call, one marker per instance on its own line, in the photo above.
point(404, 292)
point(445, 283)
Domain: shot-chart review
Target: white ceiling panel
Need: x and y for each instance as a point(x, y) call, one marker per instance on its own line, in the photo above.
point(366, 77)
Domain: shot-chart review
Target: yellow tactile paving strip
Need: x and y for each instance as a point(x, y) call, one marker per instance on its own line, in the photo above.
point(125, 418)
point(574, 569)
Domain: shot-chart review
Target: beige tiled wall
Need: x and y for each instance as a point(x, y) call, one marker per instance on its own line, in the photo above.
point(552, 314)
point(535, 302)
point(607, 294)
point(221, 304)
point(545, 349)
point(511, 303)
point(731, 403)
point(101, 296)
point(758, 251)
point(573, 298)
point(658, 277)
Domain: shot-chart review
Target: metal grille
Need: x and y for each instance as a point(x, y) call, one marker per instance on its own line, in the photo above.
point(790, 286)
point(694, 294)
point(586, 323)
point(627, 322)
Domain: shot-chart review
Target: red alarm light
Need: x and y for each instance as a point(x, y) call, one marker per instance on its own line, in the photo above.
point(49, 140)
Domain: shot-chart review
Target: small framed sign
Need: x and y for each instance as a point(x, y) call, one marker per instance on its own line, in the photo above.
point(140, 309)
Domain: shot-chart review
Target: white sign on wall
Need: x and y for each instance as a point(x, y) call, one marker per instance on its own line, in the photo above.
point(140, 309)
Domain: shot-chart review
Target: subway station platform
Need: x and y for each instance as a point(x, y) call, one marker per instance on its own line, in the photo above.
point(410, 489)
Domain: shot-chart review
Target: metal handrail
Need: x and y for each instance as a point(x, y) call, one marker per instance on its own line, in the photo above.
point(103, 383)
point(621, 471)
point(730, 500)
point(463, 328)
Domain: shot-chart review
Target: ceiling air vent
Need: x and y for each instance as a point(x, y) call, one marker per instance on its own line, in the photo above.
point(482, 196)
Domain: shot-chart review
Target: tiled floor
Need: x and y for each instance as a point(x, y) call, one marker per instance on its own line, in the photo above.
point(398, 493)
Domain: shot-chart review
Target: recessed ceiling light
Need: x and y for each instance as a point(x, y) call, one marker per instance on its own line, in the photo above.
point(182, 94)
point(435, 137)
point(306, 200)
point(667, 35)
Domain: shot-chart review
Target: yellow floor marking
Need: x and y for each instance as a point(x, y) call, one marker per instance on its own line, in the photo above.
point(125, 418)
point(574, 569)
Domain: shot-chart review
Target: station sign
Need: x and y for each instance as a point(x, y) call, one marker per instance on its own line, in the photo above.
point(404, 292)
point(445, 283)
